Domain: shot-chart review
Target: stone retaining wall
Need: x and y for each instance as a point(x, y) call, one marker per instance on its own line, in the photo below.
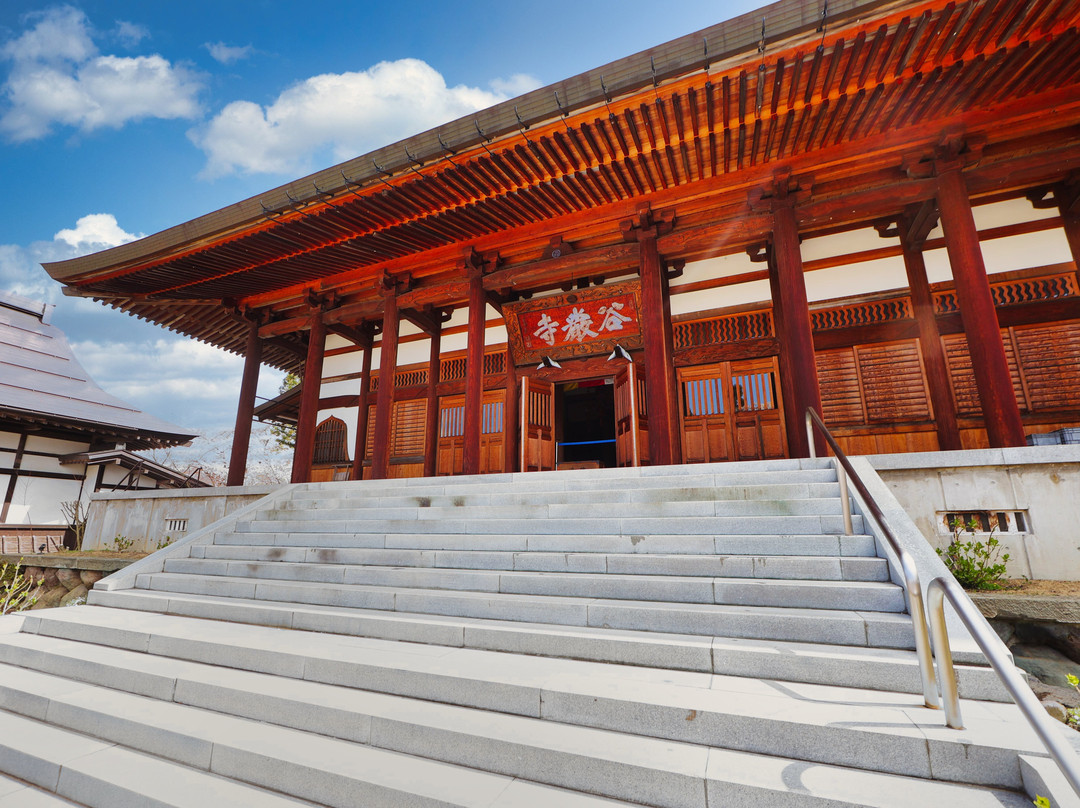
point(64, 579)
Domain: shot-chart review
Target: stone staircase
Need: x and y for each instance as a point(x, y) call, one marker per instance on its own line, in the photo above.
point(692, 636)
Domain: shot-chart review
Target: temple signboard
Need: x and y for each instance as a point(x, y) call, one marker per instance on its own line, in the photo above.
point(584, 322)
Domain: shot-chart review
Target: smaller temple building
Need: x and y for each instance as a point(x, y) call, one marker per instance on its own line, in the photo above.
point(63, 438)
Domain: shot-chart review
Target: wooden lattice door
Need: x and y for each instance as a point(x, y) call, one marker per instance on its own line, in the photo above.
point(537, 425)
point(631, 418)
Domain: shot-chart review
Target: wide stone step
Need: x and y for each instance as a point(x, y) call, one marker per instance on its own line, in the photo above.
point(592, 511)
point(677, 493)
point(17, 793)
point(100, 774)
point(862, 667)
point(867, 596)
point(823, 568)
point(838, 626)
point(194, 758)
point(601, 542)
point(619, 525)
point(615, 722)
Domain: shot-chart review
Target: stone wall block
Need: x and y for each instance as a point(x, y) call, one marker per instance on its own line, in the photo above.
point(51, 598)
point(50, 580)
point(69, 578)
point(76, 593)
point(90, 577)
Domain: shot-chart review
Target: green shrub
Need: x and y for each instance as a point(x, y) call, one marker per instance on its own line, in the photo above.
point(974, 564)
point(16, 590)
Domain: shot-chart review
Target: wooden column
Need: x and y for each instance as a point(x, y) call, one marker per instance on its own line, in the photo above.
point(511, 450)
point(913, 228)
point(659, 361)
point(792, 418)
point(362, 414)
point(304, 452)
point(384, 401)
point(474, 369)
point(988, 361)
point(796, 335)
point(431, 429)
point(245, 409)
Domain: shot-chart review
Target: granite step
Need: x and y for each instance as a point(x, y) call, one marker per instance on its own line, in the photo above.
point(836, 626)
point(517, 708)
point(802, 593)
point(833, 568)
point(844, 666)
point(802, 544)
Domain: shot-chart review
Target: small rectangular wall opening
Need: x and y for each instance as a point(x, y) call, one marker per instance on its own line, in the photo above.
point(985, 521)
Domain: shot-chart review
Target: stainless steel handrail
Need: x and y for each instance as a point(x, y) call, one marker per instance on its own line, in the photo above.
point(1047, 728)
point(844, 470)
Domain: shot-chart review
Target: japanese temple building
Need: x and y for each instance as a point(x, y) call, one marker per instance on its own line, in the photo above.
point(871, 209)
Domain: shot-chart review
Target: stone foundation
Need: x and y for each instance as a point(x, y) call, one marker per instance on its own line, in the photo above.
point(64, 579)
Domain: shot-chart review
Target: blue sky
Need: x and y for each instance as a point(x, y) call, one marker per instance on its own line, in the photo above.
point(120, 119)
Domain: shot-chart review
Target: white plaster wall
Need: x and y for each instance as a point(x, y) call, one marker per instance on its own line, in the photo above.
point(1042, 481)
point(140, 516)
point(36, 500)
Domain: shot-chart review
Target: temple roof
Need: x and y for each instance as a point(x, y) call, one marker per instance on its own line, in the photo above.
point(846, 112)
point(43, 384)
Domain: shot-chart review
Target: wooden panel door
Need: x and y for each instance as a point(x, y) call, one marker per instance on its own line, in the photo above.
point(631, 418)
point(537, 424)
point(706, 413)
point(451, 449)
point(759, 417)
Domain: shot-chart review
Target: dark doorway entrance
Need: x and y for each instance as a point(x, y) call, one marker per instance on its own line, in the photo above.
point(585, 424)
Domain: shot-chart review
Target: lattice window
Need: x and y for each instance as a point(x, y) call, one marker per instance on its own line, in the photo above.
point(452, 369)
point(893, 382)
point(330, 444)
point(754, 392)
point(704, 396)
point(492, 418)
point(452, 422)
point(875, 311)
point(495, 363)
point(725, 328)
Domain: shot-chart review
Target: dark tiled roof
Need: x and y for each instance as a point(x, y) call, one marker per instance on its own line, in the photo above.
point(41, 380)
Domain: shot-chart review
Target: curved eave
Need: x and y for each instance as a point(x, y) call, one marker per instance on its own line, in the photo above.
point(732, 39)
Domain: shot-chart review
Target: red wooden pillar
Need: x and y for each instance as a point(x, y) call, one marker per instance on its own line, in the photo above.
point(511, 451)
point(988, 361)
point(245, 409)
point(794, 329)
point(431, 429)
point(362, 414)
point(304, 452)
point(474, 370)
point(933, 354)
point(384, 401)
point(656, 331)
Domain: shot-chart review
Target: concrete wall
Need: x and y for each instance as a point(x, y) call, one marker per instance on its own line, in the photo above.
point(142, 516)
point(1040, 482)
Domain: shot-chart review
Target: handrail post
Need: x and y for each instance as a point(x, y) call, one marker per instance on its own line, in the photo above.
point(946, 672)
point(810, 433)
point(845, 499)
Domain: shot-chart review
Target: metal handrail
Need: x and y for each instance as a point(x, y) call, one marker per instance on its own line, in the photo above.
point(1047, 728)
point(844, 470)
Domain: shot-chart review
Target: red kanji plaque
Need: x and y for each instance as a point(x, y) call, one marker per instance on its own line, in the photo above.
point(585, 322)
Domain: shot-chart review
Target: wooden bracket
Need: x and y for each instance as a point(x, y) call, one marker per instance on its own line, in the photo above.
point(759, 253)
point(557, 248)
point(783, 189)
point(675, 269)
point(648, 224)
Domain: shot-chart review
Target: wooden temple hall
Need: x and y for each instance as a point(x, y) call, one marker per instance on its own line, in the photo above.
point(868, 208)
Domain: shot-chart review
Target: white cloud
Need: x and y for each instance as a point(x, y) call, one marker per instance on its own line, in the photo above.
point(227, 54)
point(93, 232)
point(340, 116)
point(130, 34)
point(58, 77)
